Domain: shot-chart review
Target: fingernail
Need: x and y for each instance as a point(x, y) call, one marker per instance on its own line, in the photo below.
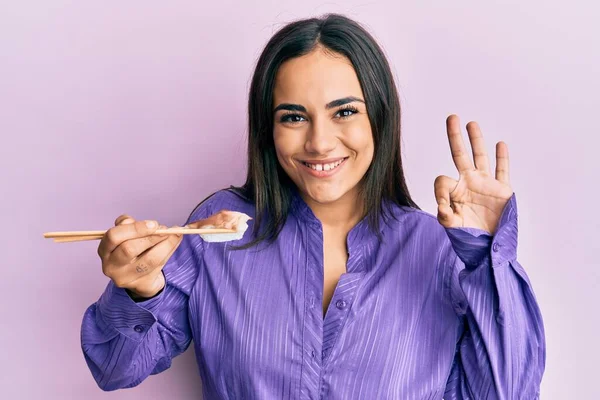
point(150, 224)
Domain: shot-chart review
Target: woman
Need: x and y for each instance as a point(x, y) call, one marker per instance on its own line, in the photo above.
point(413, 306)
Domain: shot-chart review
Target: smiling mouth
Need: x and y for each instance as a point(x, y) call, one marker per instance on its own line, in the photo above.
point(325, 167)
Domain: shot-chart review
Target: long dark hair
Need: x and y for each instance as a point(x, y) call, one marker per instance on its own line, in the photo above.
point(267, 184)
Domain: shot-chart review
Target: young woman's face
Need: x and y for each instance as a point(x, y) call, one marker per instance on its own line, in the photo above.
point(321, 130)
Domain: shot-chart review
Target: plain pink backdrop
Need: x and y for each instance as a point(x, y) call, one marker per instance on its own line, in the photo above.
point(139, 107)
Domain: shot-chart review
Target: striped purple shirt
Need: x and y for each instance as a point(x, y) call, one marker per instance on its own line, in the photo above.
point(428, 313)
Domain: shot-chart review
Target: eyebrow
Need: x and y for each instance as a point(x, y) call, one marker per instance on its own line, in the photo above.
point(331, 104)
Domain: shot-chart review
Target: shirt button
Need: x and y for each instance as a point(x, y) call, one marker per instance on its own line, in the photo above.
point(495, 246)
point(312, 353)
point(138, 328)
point(340, 304)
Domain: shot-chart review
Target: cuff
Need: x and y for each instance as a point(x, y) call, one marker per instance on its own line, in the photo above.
point(473, 246)
point(120, 312)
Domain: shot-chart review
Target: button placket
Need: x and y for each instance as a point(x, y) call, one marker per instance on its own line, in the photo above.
point(313, 318)
point(338, 313)
point(497, 256)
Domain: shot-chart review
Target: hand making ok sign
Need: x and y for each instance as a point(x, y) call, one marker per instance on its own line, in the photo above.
point(477, 199)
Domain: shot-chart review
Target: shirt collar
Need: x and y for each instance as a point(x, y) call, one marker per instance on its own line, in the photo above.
point(358, 236)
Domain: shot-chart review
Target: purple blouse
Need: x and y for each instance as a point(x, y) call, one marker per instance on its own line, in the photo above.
point(428, 313)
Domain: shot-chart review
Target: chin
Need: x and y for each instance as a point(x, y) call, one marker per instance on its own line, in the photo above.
point(325, 196)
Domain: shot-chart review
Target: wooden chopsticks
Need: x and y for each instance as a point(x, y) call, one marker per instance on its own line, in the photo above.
point(78, 236)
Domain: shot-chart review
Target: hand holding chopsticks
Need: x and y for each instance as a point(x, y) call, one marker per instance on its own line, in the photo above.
point(133, 253)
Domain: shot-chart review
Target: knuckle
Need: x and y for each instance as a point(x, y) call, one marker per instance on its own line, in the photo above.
point(128, 250)
point(110, 236)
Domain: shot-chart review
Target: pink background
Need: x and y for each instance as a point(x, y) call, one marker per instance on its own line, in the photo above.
point(139, 107)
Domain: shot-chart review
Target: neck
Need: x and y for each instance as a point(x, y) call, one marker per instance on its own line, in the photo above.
point(342, 214)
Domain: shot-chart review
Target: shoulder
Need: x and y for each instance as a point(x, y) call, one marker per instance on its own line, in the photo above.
point(223, 199)
point(409, 221)
point(419, 235)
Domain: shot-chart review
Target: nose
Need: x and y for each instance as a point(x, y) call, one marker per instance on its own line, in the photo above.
point(321, 138)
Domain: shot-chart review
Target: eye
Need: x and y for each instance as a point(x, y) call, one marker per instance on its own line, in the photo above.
point(292, 118)
point(347, 111)
point(288, 117)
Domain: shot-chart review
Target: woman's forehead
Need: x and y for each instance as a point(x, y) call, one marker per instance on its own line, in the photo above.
point(317, 77)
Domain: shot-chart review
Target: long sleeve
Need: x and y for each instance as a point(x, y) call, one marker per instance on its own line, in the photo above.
point(123, 341)
point(501, 349)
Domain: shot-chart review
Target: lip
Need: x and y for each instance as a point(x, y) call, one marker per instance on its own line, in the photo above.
point(323, 174)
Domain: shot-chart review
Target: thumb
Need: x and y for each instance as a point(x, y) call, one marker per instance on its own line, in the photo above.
point(445, 212)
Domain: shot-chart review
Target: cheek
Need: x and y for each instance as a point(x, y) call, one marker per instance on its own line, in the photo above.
point(281, 147)
point(285, 146)
point(359, 139)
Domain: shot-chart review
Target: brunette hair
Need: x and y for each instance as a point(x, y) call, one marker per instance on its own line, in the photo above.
point(267, 184)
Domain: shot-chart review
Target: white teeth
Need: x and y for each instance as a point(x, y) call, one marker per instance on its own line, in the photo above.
point(324, 167)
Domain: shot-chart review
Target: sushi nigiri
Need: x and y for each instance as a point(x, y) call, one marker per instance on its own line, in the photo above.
point(223, 219)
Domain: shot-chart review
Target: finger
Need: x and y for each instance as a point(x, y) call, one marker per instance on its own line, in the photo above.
point(155, 258)
point(457, 145)
point(127, 251)
point(442, 187)
point(482, 162)
point(445, 214)
point(102, 247)
point(120, 233)
point(502, 173)
point(158, 255)
point(122, 218)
